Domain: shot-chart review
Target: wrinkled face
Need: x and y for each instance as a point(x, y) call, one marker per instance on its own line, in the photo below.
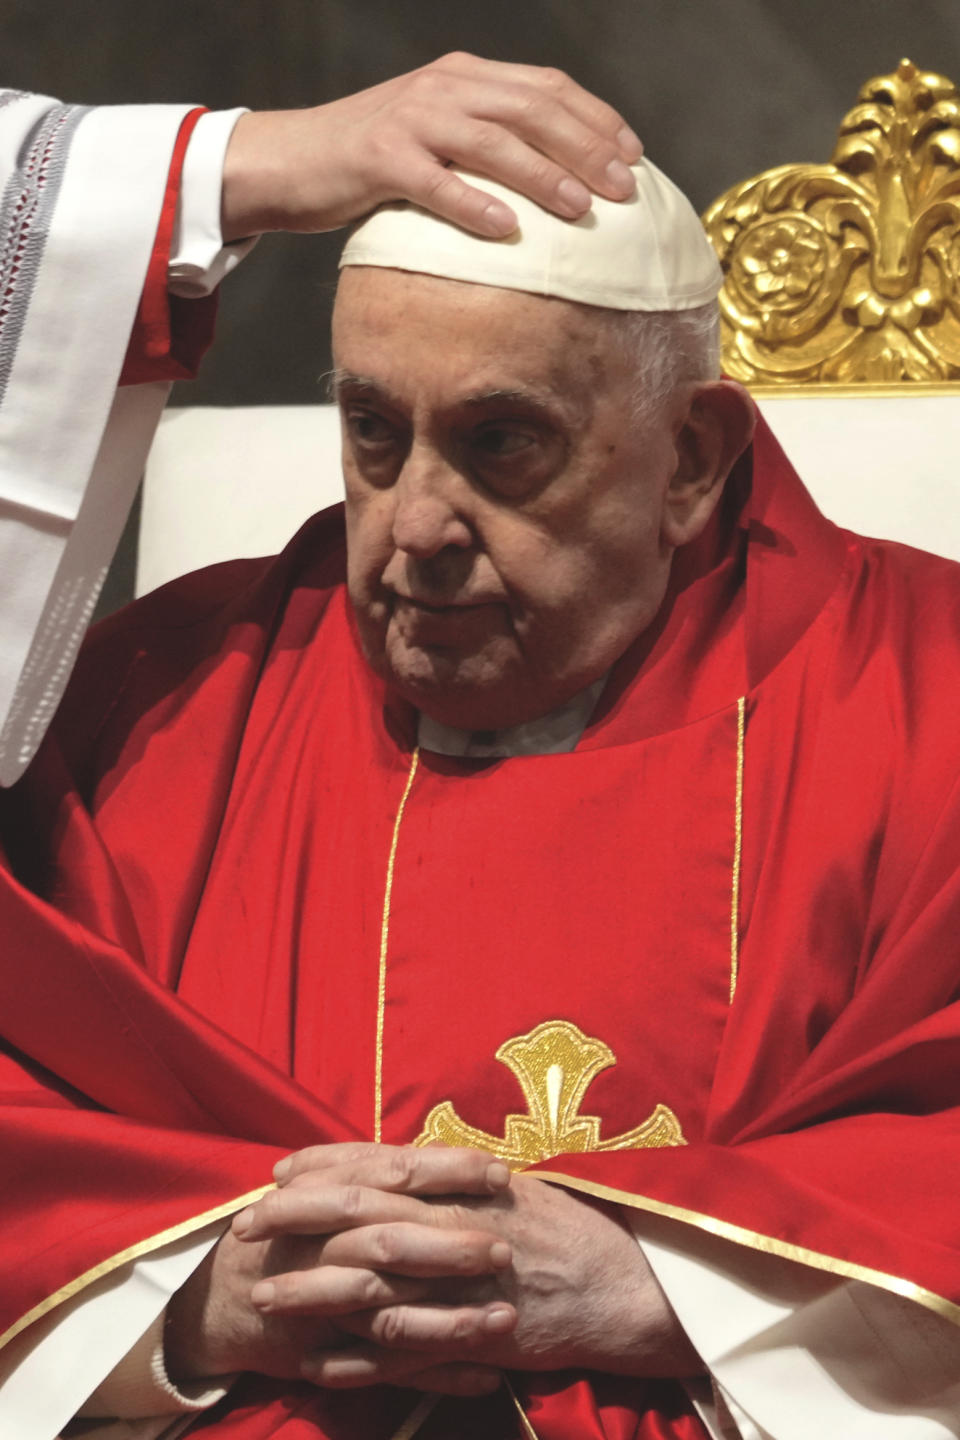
point(505, 515)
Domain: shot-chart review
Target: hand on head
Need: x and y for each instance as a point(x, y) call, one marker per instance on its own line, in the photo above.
point(533, 129)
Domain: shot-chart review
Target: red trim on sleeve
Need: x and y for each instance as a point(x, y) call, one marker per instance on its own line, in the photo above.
point(170, 335)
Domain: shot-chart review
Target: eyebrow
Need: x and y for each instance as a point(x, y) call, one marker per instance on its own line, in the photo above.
point(571, 410)
point(339, 380)
point(520, 396)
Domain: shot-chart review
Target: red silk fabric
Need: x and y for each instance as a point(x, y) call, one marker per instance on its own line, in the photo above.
point(560, 1407)
point(196, 888)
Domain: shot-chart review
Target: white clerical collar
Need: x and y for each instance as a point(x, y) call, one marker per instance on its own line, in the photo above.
point(553, 734)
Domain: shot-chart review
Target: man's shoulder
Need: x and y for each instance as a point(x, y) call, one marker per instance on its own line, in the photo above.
point(907, 579)
point(233, 591)
point(900, 624)
point(147, 657)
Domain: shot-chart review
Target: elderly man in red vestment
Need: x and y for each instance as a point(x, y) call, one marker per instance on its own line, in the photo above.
point(585, 802)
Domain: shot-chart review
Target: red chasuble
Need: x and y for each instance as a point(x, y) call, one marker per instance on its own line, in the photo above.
point(703, 966)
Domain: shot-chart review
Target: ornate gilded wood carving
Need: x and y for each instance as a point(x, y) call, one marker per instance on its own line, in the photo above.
point(850, 272)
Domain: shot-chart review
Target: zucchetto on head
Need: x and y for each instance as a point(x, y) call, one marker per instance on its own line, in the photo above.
point(646, 253)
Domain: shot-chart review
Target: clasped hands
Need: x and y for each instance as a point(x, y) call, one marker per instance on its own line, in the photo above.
point(370, 1264)
point(432, 1268)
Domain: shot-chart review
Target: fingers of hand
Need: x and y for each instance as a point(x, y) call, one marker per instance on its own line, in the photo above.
point(396, 1337)
point(490, 148)
point(418, 1250)
point(427, 182)
point(537, 148)
point(594, 113)
point(432, 1327)
point(333, 1290)
point(323, 1210)
point(529, 143)
point(364, 1365)
point(323, 1157)
point(535, 130)
point(551, 130)
point(402, 1169)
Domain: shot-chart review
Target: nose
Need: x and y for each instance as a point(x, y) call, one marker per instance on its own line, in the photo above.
point(428, 506)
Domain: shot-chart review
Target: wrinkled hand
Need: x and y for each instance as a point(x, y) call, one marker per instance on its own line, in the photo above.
point(533, 129)
point(579, 1289)
point(298, 1241)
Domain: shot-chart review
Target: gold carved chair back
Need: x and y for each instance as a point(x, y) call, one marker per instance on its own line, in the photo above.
point(849, 272)
point(840, 310)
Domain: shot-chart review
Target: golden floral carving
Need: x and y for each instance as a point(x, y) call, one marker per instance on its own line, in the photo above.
point(849, 272)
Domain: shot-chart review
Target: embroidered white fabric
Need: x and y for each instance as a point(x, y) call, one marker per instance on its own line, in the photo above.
point(82, 191)
point(75, 235)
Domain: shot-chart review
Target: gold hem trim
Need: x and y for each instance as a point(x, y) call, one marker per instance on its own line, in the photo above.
point(767, 1244)
point(417, 1418)
point(123, 1257)
point(384, 941)
point(877, 390)
point(737, 849)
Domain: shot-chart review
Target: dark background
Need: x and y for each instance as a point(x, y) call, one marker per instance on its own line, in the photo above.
point(718, 89)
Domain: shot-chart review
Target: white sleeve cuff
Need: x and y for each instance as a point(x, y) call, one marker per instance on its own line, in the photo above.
point(198, 257)
point(797, 1352)
point(140, 1386)
point(48, 1372)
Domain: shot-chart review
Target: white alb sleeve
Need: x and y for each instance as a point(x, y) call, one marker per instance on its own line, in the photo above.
point(199, 260)
point(797, 1352)
point(48, 1372)
point(81, 192)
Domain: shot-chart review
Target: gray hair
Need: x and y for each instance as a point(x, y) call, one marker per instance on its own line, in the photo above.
point(665, 348)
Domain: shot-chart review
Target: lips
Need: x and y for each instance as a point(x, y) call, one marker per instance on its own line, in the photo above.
point(456, 623)
point(432, 608)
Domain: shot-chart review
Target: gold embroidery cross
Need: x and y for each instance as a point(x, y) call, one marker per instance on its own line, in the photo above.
point(554, 1064)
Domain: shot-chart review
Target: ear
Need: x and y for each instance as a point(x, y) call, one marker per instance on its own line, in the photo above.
point(715, 426)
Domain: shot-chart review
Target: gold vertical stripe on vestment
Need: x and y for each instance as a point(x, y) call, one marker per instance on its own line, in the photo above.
point(737, 848)
point(525, 1425)
point(417, 1418)
point(422, 1411)
point(384, 941)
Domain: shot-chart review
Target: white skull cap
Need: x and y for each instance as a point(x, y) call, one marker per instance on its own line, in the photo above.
point(646, 253)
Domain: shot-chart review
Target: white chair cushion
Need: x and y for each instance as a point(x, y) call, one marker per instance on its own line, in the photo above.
point(223, 483)
point(226, 483)
point(884, 465)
